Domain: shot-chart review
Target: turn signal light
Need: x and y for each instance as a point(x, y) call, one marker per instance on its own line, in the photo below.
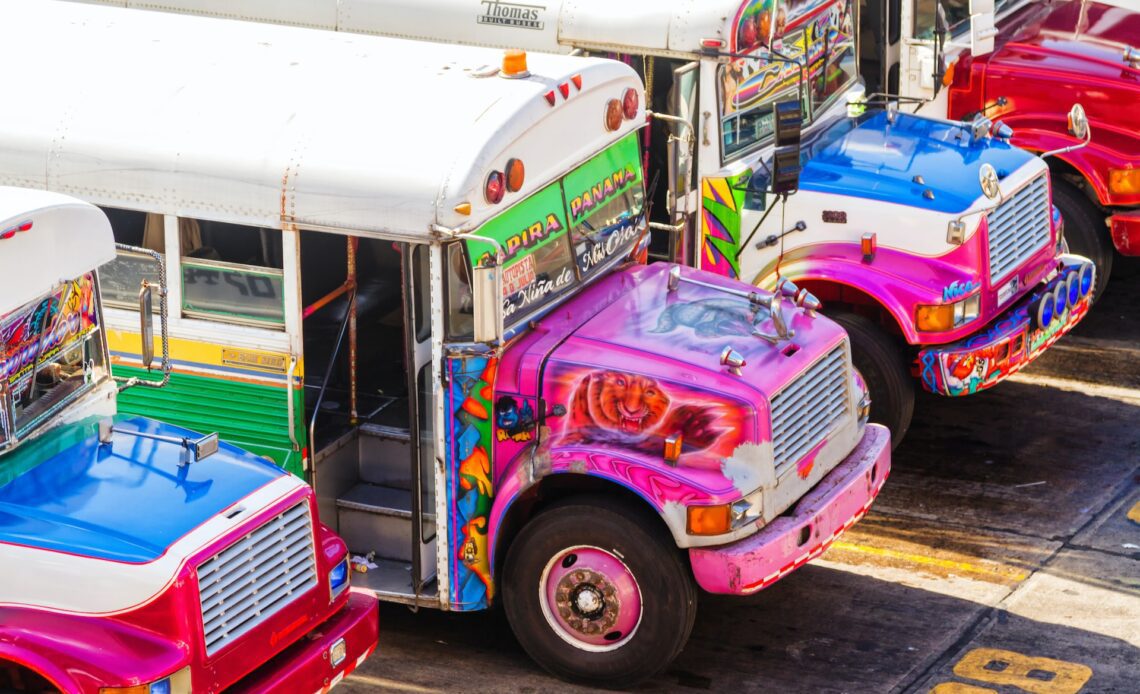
point(869, 243)
point(516, 174)
point(613, 115)
point(1124, 181)
point(495, 187)
point(934, 318)
point(673, 448)
point(710, 520)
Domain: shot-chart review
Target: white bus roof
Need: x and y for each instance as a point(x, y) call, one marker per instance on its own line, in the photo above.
point(271, 125)
point(661, 27)
point(47, 239)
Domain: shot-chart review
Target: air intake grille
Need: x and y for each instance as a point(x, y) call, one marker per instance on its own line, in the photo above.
point(808, 408)
point(1019, 227)
point(255, 577)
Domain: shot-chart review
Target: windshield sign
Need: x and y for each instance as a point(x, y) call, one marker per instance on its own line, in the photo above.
point(567, 232)
point(816, 35)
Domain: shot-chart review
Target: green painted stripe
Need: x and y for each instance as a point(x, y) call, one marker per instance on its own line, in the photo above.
point(248, 415)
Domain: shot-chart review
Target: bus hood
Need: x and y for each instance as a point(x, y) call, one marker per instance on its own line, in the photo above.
point(680, 334)
point(915, 161)
point(127, 501)
point(1063, 37)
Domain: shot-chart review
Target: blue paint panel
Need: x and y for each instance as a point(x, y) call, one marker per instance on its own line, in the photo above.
point(872, 159)
point(126, 501)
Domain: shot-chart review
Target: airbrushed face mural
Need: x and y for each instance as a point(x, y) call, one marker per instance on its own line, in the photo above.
point(632, 413)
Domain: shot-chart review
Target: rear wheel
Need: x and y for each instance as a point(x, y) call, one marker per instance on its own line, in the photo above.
point(880, 361)
point(597, 595)
point(1085, 230)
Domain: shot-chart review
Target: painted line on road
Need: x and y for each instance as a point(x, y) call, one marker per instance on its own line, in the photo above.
point(966, 567)
point(1129, 395)
point(372, 680)
point(1134, 513)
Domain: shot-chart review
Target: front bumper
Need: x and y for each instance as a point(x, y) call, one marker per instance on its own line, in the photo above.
point(1125, 228)
point(1002, 349)
point(790, 541)
point(305, 666)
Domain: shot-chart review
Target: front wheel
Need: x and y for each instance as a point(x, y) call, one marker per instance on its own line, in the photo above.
point(878, 359)
point(1085, 231)
point(596, 594)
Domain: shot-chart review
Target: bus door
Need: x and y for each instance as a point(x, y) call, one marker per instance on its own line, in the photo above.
point(367, 338)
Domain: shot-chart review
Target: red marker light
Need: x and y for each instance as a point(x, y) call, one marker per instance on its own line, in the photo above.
point(565, 89)
point(869, 243)
point(629, 103)
point(550, 97)
point(577, 80)
point(11, 231)
point(495, 188)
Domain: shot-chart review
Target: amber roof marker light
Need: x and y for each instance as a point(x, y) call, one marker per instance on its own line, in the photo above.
point(514, 65)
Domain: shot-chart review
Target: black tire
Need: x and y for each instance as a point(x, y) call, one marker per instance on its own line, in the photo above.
point(1085, 230)
point(667, 591)
point(881, 363)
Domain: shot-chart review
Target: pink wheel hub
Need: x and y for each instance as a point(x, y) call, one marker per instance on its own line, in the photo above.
point(590, 598)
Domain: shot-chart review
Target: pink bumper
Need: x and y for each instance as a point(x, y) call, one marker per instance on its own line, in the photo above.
point(1126, 232)
point(1006, 345)
point(788, 542)
point(305, 666)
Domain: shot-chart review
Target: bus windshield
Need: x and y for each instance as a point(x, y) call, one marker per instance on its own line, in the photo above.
point(559, 237)
point(47, 354)
point(812, 39)
point(957, 16)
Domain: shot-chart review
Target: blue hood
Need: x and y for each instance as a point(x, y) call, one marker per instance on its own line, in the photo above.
point(870, 158)
point(126, 501)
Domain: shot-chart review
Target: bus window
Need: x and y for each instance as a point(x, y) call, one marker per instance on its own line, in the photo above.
point(460, 305)
point(234, 275)
point(421, 292)
point(121, 278)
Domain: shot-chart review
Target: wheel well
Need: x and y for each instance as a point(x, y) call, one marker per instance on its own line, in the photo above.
point(842, 297)
point(553, 489)
point(19, 678)
point(1059, 169)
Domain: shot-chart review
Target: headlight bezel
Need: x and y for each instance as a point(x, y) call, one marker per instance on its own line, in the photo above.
point(336, 590)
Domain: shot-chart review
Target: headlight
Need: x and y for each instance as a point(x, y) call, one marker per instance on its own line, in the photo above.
point(1124, 181)
point(178, 683)
point(933, 318)
point(339, 578)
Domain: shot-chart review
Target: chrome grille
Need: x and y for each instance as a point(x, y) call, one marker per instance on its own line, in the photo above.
point(255, 577)
point(808, 408)
point(1019, 227)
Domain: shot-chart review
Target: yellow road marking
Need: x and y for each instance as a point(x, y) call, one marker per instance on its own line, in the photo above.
point(931, 561)
point(390, 684)
point(1036, 675)
point(960, 688)
point(1134, 513)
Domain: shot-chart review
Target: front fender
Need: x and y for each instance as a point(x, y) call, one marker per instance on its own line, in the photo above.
point(1111, 147)
point(897, 281)
point(82, 654)
point(666, 490)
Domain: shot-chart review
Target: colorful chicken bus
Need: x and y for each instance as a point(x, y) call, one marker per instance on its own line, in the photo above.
point(1024, 66)
point(934, 243)
point(404, 271)
point(138, 556)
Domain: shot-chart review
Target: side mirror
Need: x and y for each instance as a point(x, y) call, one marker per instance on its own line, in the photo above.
point(1078, 122)
point(786, 161)
point(982, 29)
point(146, 324)
point(487, 293)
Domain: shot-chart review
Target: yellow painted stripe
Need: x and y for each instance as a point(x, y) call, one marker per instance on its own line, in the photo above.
point(1134, 513)
point(199, 353)
point(385, 683)
point(930, 561)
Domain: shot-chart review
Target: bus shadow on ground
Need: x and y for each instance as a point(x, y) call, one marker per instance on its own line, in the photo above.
point(819, 630)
